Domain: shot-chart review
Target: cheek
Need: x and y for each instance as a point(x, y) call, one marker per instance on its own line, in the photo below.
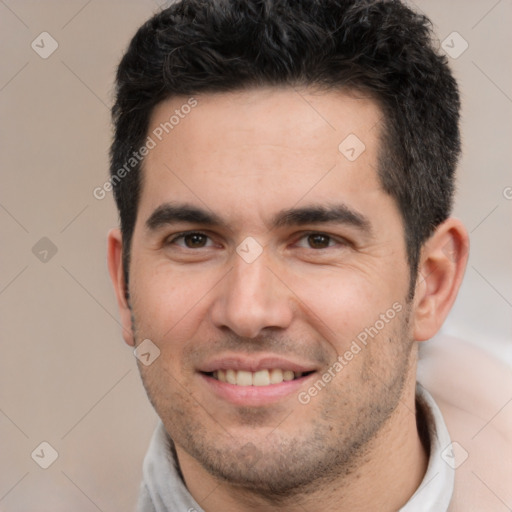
point(342, 304)
point(168, 305)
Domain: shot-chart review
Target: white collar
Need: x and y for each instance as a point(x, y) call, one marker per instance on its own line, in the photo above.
point(436, 489)
point(163, 490)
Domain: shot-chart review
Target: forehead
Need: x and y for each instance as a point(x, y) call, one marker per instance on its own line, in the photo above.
point(261, 149)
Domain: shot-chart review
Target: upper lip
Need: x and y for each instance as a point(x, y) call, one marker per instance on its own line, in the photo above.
point(254, 364)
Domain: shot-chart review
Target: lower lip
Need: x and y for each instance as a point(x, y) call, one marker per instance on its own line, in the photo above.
point(255, 395)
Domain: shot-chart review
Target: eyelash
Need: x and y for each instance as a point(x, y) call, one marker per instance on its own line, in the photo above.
point(336, 240)
point(184, 234)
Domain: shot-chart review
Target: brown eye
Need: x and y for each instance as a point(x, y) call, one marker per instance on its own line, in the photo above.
point(319, 241)
point(195, 240)
point(191, 240)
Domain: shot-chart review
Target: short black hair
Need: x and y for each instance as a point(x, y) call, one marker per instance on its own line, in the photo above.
point(380, 48)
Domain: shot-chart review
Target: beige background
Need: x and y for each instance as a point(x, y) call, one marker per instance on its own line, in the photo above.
point(65, 375)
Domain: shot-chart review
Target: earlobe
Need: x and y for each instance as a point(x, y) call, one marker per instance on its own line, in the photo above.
point(443, 262)
point(116, 271)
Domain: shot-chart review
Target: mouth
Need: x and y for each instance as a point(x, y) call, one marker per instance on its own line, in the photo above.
point(260, 378)
point(245, 380)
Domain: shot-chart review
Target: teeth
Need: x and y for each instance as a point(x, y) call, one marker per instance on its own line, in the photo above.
point(231, 376)
point(288, 375)
point(276, 376)
point(244, 378)
point(259, 378)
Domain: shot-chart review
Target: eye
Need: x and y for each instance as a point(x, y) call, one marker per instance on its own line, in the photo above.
point(317, 241)
point(192, 240)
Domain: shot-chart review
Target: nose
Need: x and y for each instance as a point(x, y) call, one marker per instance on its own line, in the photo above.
point(252, 298)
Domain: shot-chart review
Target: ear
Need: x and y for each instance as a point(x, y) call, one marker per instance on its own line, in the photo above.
point(441, 269)
point(115, 268)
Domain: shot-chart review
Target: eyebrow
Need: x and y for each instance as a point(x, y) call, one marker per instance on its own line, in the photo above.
point(338, 214)
point(170, 213)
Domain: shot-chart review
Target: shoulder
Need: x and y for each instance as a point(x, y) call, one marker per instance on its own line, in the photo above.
point(474, 392)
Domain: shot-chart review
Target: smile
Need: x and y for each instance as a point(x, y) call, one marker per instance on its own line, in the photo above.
point(259, 378)
point(255, 380)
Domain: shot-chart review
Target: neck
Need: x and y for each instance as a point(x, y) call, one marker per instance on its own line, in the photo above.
point(387, 475)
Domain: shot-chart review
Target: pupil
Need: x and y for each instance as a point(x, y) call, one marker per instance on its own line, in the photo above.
point(195, 240)
point(318, 241)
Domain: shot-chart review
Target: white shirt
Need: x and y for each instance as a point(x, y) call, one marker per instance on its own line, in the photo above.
point(435, 491)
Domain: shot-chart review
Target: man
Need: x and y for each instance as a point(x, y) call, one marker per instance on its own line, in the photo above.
point(284, 175)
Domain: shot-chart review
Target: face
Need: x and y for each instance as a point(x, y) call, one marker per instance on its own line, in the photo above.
point(269, 268)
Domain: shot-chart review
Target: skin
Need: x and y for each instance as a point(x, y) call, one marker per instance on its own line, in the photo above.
point(245, 157)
